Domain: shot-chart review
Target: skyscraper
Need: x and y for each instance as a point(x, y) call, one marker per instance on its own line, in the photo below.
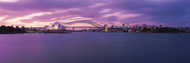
point(105, 28)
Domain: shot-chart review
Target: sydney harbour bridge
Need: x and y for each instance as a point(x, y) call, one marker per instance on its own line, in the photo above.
point(63, 25)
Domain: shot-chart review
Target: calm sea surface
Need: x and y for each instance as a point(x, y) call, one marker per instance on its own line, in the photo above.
point(89, 47)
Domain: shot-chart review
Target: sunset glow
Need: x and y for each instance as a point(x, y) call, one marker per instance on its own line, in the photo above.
point(153, 12)
point(9, 1)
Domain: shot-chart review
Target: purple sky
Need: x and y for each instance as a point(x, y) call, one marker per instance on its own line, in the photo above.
point(44, 12)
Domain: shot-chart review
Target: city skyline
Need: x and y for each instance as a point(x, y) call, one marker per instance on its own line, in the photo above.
point(173, 13)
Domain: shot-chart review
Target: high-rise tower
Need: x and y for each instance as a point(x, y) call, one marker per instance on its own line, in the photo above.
point(106, 28)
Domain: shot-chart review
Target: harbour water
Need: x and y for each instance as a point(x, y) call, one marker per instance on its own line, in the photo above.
point(89, 47)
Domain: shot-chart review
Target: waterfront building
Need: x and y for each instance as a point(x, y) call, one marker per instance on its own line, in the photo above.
point(123, 26)
point(106, 28)
point(127, 25)
point(187, 29)
point(144, 26)
point(160, 26)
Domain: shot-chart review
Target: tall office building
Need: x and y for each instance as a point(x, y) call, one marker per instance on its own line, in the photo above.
point(106, 28)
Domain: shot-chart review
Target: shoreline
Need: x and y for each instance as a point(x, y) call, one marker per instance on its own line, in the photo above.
point(86, 32)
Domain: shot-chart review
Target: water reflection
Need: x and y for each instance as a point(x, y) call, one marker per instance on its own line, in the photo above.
point(94, 48)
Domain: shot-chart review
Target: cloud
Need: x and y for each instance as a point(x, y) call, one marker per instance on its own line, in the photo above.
point(97, 5)
point(168, 12)
point(18, 20)
point(120, 15)
point(9, 1)
point(105, 11)
point(37, 23)
point(71, 18)
point(3, 17)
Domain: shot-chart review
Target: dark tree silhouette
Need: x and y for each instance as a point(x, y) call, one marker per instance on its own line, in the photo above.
point(10, 29)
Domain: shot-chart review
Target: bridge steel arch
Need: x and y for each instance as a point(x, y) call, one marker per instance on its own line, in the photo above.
point(62, 25)
point(85, 21)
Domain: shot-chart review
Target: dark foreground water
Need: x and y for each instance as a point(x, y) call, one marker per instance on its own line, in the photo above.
point(95, 48)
